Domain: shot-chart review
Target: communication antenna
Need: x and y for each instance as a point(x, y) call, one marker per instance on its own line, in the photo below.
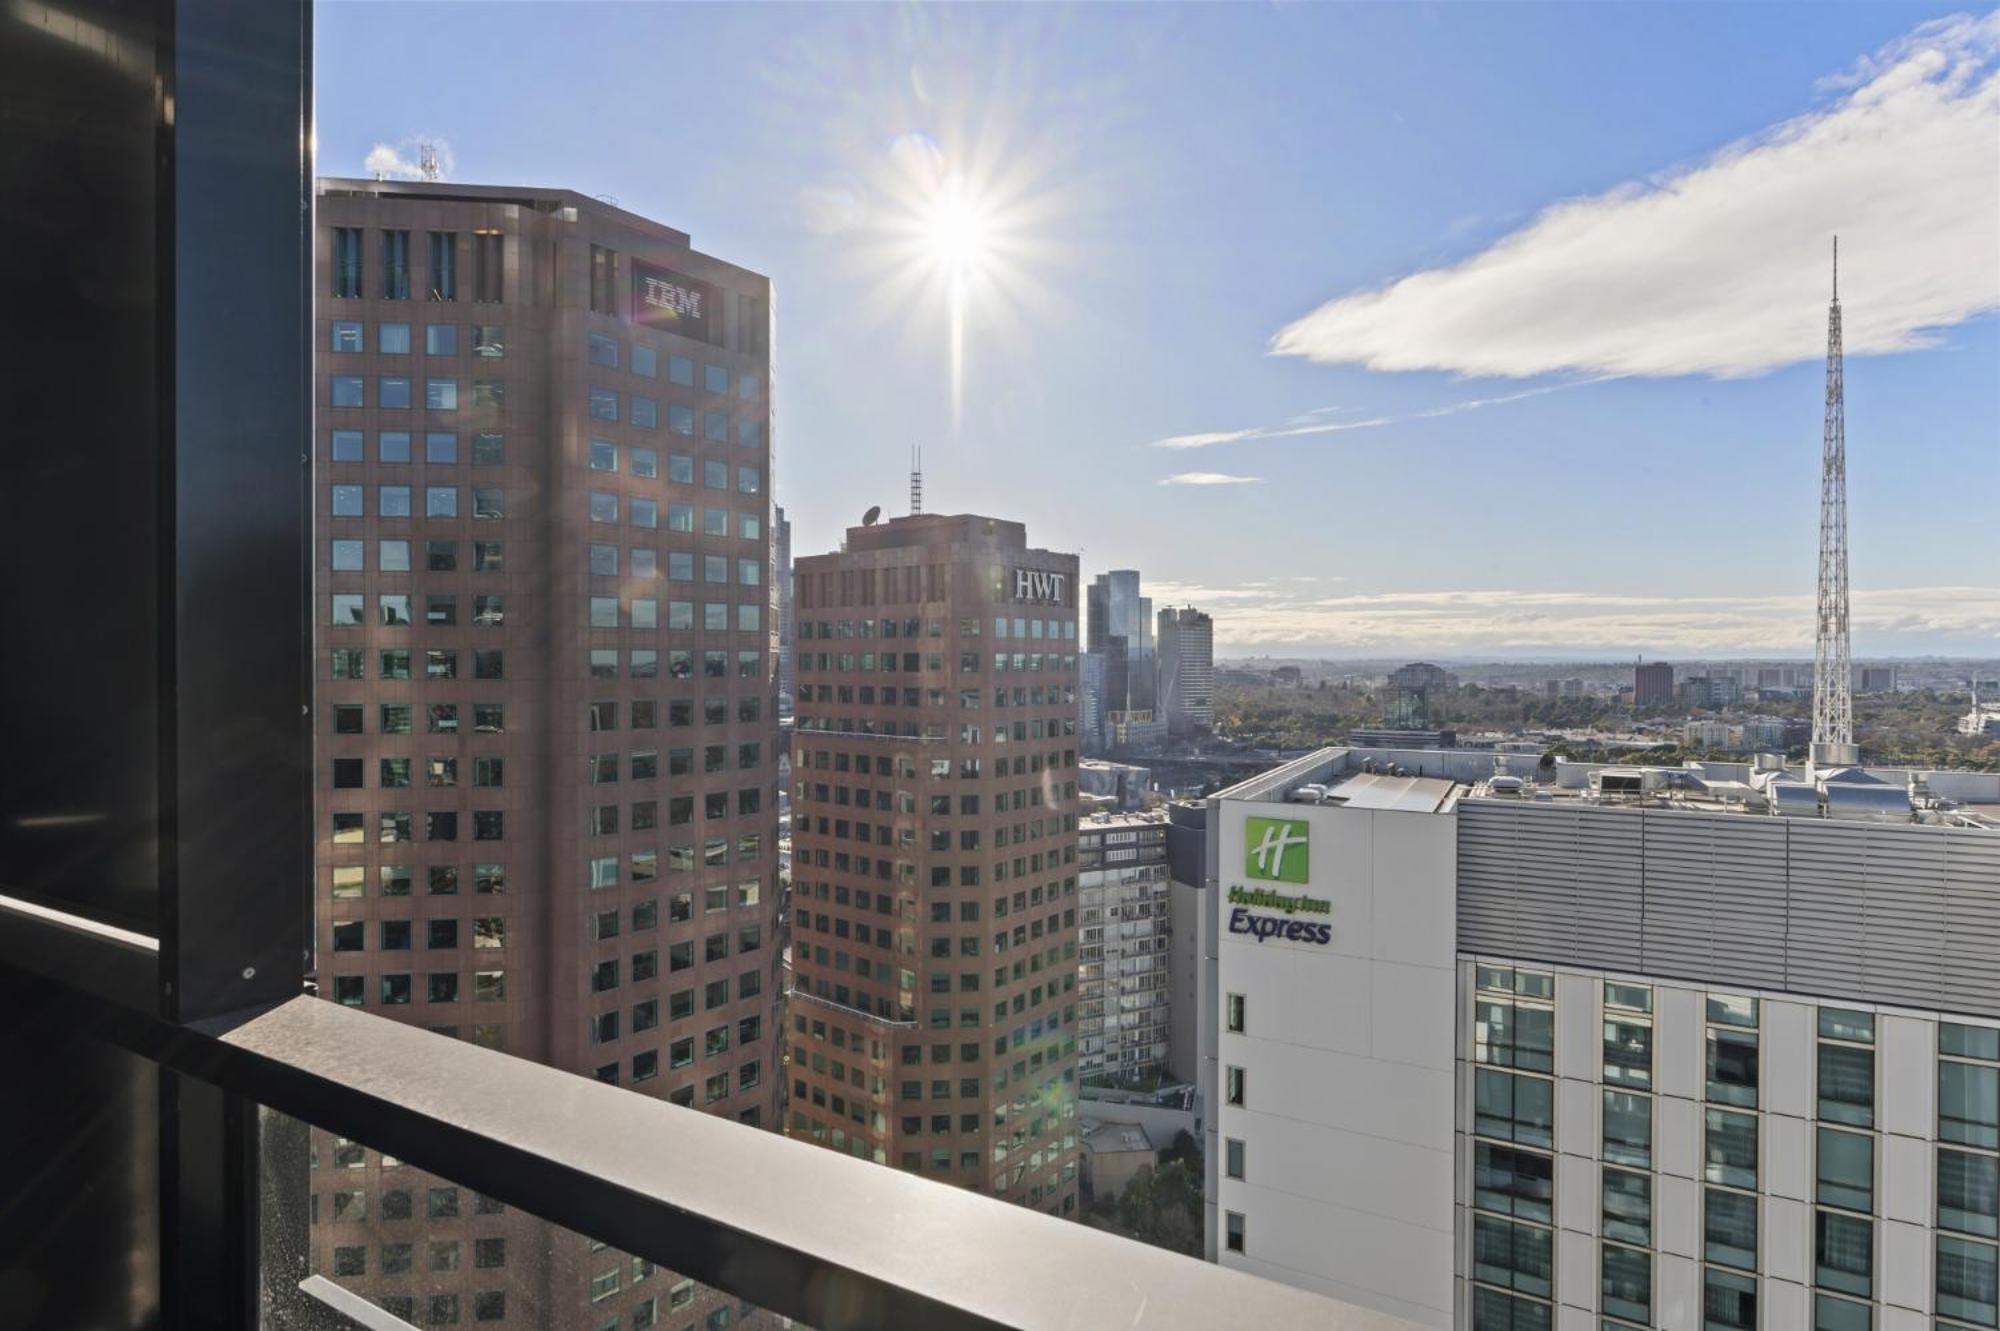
point(427, 160)
point(916, 479)
point(1833, 700)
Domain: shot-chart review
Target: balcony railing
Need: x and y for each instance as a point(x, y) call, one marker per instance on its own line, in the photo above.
point(801, 1231)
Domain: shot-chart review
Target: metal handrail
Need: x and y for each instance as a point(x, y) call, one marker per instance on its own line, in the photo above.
point(836, 1242)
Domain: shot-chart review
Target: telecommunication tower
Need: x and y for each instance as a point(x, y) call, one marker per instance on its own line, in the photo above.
point(1833, 671)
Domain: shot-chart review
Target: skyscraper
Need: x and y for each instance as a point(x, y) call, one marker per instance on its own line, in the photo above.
point(1117, 611)
point(782, 574)
point(542, 487)
point(1652, 684)
point(1187, 670)
point(933, 1014)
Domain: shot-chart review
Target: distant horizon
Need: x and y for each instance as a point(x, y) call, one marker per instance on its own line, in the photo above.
point(1604, 660)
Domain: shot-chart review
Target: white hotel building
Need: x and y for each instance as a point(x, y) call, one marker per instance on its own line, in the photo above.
point(1538, 1053)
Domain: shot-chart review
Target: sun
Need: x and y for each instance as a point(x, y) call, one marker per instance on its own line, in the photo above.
point(955, 229)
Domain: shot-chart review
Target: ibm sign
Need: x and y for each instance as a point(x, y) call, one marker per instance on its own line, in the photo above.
point(1034, 584)
point(663, 298)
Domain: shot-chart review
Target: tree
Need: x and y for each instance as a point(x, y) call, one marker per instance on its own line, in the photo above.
point(1162, 1206)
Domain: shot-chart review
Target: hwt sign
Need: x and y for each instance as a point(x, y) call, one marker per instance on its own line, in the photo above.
point(1034, 584)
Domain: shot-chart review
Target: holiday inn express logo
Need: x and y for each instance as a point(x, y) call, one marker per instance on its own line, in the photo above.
point(1275, 849)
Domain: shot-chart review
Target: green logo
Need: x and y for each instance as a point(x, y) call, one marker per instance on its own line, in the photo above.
point(1275, 849)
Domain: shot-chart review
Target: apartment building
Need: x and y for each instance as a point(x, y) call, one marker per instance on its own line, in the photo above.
point(1124, 918)
point(933, 1021)
point(1186, 646)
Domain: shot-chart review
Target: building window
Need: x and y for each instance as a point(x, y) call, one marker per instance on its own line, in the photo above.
point(1514, 1019)
point(444, 265)
point(1968, 1281)
point(1968, 1271)
point(1513, 1256)
point(1233, 1220)
point(1233, 1086)
point(487, 285)
point(1513, 1107)
point(395, 265)
point(1732, 1051)
point(1628, 1036)
point(347, 262)
point(1847, 1067)
point(1730, 1228)
point(1233, 1158)
point(603, 280)
point(1627, 1283)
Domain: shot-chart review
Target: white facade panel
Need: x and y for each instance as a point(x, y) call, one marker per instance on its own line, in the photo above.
point(1787, 1058)
point(1907, 1075)
point(1348, 1052)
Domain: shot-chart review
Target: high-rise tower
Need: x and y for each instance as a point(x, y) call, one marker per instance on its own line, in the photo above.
point(1833, 702)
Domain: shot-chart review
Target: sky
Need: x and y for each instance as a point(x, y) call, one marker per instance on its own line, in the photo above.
point(1465, 329)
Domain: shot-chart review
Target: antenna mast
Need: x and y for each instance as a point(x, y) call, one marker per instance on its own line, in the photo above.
point(916, 479)
point(1833, 674)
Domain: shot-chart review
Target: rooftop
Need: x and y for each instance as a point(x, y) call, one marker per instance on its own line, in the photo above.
point(1433, 780)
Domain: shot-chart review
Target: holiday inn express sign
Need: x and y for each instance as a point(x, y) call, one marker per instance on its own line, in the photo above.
point(1275, 849)
point(1278, 850)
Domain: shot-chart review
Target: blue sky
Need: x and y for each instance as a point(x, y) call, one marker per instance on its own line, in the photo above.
point(1198, 224)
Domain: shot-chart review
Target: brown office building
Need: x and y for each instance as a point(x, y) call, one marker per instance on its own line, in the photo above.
point(934, 812)
point(546, 710)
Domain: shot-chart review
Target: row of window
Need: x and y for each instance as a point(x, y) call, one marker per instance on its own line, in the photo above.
point(489, 503)
point(1051, 630)
point(603, 872)
point(605, 350)
point(644, 413)
point(643, 714)
point(393, 556)
point(487, 341)
point(969, 663)
point(488, 265)
point(645, 563)
point(395, 446)
point(396, 392)
point(350, 828)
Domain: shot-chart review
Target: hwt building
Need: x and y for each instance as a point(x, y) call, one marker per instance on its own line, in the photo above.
point(934, 1009)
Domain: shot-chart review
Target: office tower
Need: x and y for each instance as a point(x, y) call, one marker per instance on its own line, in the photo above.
point(1634, 1048)
point(1875, 679)
point(1652, 684)
point(546, 713)
point(1123, 916)
point(1090, 702)
point(781, 529)
point(1119, 613)
point(932, 1022)
point(1186, 646)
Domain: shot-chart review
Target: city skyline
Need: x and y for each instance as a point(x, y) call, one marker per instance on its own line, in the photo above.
point(1118, 265)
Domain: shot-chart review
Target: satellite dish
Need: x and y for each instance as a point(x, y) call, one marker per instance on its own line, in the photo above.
point(872, 516)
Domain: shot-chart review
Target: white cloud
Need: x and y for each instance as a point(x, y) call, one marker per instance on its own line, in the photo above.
point(1309, 422)
point(1888, 620)
point(1720, 267)
point(402, 161)
point(1209, 478)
